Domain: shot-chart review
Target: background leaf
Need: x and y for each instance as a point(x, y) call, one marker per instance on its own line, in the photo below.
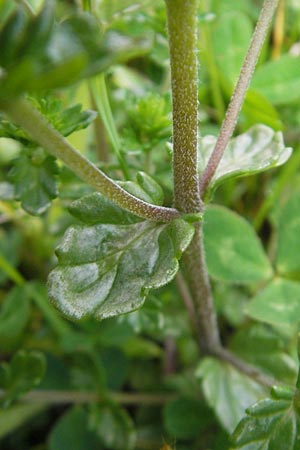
point(227, 391)
point(233, 251)
point(279, 80)
point(25, 371)
point(278, 304)
point(231, 38)
point(287, 259)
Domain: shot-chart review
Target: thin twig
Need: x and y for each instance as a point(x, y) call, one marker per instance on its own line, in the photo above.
point(60, 397)
point(239, 93)
point(249, 370)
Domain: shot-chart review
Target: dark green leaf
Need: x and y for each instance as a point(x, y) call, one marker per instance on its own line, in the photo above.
point(113, 426)
point(14, 315)
point(106, 269)
point(72, 432)
point(234, 252)
point(257, 150)
point(227, 391)
point(34, 177)
point(24, 372)
point(17, 415)
point(186, 418)
point(270, 424)
point(277, 304)
point(279, 80)
point(288, 258)
point(10, 248)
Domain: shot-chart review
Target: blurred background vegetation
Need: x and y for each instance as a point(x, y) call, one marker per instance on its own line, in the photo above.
point(141, 365)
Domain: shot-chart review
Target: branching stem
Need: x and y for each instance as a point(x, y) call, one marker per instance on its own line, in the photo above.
point(35, 124)
point(240, 90)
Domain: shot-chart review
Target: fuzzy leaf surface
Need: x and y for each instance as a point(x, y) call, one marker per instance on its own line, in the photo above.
point(233, 250)
point(270, 424)
point(257, 150)
point(106, 269)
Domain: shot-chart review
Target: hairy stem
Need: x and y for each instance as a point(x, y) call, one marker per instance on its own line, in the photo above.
point(35, 124)
point(240, 90)
point(199, 285)
point(182, 31)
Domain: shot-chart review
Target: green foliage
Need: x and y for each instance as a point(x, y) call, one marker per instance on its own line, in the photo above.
point(140, 378)
point(24, 372)
point(234, 252)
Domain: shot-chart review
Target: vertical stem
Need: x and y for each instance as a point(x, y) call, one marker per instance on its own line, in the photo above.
point(182, 30)
point(199, 284)
point(240, 90)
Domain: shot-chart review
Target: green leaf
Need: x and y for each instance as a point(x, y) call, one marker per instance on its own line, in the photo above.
point(24, 372)
point(17, 415)
point(107, 269)
point(257, 150)
point(227, 391)
point(186, 418)
point(113, 426)
point(144, 188)
point(260, 346)
point(270, 424)
point(233, 251)
point(277, 304)
point(72, 432)
point(279, 80)
point(14, 315)
point(258, 109)
point(231, 37)
point(34, 177)
point(10, 249)
point(288, 257)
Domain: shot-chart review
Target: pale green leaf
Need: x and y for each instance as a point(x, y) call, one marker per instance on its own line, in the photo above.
point(279, 80)
point(288, 254)
point(277, 304)
point(233, 251)
point(257, 150)
point(231, 37)
point(227, 391)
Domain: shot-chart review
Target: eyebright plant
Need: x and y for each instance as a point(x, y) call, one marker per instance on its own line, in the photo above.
point(129, 210)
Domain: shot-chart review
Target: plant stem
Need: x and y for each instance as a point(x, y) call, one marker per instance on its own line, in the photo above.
point(53, 397)
point(36, 125)
point(240, 90)
point(243, 367)
point(182, 30)
point(199, 285)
